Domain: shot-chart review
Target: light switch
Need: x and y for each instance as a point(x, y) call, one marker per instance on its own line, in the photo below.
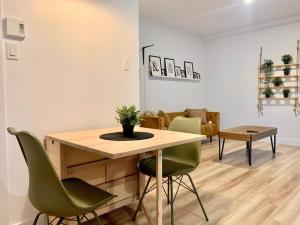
point(125, 64)
point(12, 51)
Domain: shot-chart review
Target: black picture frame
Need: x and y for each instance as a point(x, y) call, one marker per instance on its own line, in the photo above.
point(183, 74)
point(155, 69)
point(177, 71)
point(169, 67)
point(189, 69)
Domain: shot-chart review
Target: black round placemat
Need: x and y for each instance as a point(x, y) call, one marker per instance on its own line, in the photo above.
point(118, 136)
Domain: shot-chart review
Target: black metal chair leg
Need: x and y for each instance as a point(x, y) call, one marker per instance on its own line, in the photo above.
point(60, 221)
point(96, 218)
point(141, 199)
point(196, 193)
point(78, 220)
point(37, 218)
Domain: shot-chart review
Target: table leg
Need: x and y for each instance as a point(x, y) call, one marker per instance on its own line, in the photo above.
point(250, 151)
point(159, 187)
point(221, 149)
point(273, 144)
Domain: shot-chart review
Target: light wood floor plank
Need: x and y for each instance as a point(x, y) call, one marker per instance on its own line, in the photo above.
point(268, 193)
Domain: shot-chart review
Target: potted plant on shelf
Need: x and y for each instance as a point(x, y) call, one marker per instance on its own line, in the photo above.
point(286, 71)
point(268, 92)
point(128, 116)
point(286, 92)
point(277, 81)
point(287, 59)
point(268, 70)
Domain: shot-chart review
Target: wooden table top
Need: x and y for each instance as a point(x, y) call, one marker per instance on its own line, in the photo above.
point(245, 133)
point(89, 140)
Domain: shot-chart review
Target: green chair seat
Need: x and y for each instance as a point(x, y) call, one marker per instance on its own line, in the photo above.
point(171, 167)
point(84, 195)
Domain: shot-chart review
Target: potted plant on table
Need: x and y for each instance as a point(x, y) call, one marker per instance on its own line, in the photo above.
point(268, 92)
point(277, 81)
point(287, 59)
point(128, 117)
point(286, 92)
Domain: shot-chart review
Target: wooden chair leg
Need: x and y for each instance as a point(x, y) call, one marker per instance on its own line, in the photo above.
point(141, 199)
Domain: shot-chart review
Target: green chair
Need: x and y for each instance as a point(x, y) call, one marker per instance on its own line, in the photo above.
point(64, 199)
point(178, 161)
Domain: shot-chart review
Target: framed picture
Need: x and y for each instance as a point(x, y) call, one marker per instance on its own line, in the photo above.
point(177, 71)
point(183, 74)
point(189, 70)
point(163, 72)
point(170, 67)
point(155, 66)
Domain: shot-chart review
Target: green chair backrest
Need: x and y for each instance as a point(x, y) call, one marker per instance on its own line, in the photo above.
point(187, 153)
point(46, 192)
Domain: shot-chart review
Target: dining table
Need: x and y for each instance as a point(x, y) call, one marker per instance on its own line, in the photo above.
point(111, 164)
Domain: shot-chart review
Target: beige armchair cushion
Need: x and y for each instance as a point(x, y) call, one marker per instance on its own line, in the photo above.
point(197, 113)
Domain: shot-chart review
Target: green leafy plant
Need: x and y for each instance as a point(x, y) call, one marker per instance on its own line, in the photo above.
point(286, 92)
point(286, 59)
point(268, 92)
point(268, 70)
point(128, 115)
point(286, 71)
point(277, 81)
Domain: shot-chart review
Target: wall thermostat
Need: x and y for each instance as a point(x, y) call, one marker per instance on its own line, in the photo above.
point(14, 28)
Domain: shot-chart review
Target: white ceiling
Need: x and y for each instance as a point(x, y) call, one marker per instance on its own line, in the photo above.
point(212, 18)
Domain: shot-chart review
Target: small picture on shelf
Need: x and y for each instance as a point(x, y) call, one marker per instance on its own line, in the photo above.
point(183, 74)
point(155, 66)
point(196, 76)
point(189, 70)
point(163, 72)
point(170, 67)
point(177, 71)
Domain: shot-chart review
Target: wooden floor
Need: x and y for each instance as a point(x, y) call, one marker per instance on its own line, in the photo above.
point(232, 192)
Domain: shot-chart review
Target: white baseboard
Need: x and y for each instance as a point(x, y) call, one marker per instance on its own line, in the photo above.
point(285, 141)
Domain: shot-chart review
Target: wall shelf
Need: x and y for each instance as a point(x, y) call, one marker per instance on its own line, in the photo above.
point(281, 76)
point(281, 87)
point(292, 80)
point(276, 98)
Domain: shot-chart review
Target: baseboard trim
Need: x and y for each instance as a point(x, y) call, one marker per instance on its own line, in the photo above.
point(285, 141)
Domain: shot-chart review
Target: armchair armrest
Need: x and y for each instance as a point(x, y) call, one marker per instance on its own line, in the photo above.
point(214, 117)
point(154, 122)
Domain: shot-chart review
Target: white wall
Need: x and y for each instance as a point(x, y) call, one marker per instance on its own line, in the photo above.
point(69, 74)
point(170, 95)
point(4, 218)
point(232, 79)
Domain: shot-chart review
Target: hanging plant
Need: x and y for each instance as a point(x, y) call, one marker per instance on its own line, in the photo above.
point(268, 70)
